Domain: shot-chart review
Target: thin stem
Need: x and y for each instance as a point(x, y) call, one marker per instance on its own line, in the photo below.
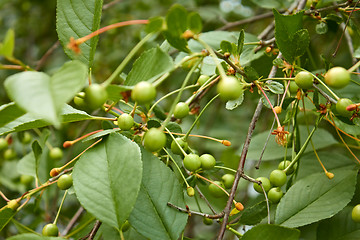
point(226, 168)
point(354, 67)
point(272, 108)
point(127, 59)
point(178, 168)
point(73, 221)
point(324, 85)
point(80, 228)
point(216, 216)
point(4, 197)
point(198, 117)
point(61, 204)
point(176, 142)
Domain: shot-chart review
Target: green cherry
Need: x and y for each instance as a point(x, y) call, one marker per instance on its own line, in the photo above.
point(284, 164)
point(229, 88)
point(228, 180)
point(202, 79)
point(181, 110)
point(125, 121)
point(9, 154)
point(304, 80)
point(192, 162)
point(3, 144)
point(65, 181)
point(56, 153)
point(95, 96)
point(50, 230)
point(207, 161)
point(154, 139)
point(215, 190)
point(337, 77)
point(265, 183)
point(143, 92)
point(341, 105)
point(175, 148)
point(355, 213)
point(275, 194)
point(277, 178)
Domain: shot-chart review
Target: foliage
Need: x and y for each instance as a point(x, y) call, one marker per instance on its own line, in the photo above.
point(206, 115)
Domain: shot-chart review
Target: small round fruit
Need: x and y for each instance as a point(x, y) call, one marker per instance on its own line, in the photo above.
point(65, 181)
point(215, 190)
point(228, 180)
point(192, 162)
point(56, 153)
point(154, 139)
point(125, 226)
point(13, 204)
point(143, 92)
point(202, 79)
point(95, 95)
point(50, 230)
point(27, 180)
point(275, 194)
point(337, 77)
point(207, 161)
point(355, 213)
point(229, 88)
point(9, 154)
point(207, 221)
point(341, 105)
point(190, 191)
point(26, 139)
point(181, 110)
point(277, 178)
point(284, 164)
point(277, 109)
point(265, 182)
point(175, 148)
point(304, 80)
point(125, 121)
point(293, 87)
point(3, 144)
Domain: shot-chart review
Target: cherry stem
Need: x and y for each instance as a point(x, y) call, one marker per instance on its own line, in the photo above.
point(222, 141)
point(354, 67)
point(226, 168)
point(109, 27)
point(178, 168)
point(61, 204)
point(176, 142)
point(198, 117)
point(272, 108)
point(216, 216)
point(4, 197)
point(324, 85)
point(337, 131)
point(69, 143)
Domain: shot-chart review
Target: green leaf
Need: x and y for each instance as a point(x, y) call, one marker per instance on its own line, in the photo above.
point(194, 22)
point(151, 216)
point(6, 214)
point(315, 198)
point(251, 74)
point(149, 66)
point(26, 165)
point(226, 46)
point(78, 18)
point(254, 214)
point(114, 92)
point(287, 38)
point(232, 104)
point(32, 236)
point(240, 43)
point(321, 139)
point(43, 96)
point(7, 46)
point(271, 232)
point(37, 150)
point(275, 87)
point(107, 179)
point(155, 24)
point(9, 112)
point(28, 121)
point(339, 227)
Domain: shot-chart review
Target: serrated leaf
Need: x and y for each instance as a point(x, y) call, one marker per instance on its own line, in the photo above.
point(149, 66)
point(240, 42)
point(6, 214)
point(254, 214)
point(300, 42)
point(275, 87)
point(32, 236)
point(339, 227)
point(232, 104)
point(44, 96)
point(315, 198)
point(7, 46)
point(107, 179)
point(194, 22)
point(9, 112)
point(28, 121)
point(285, 28)
point(78, 18)
point(159, 186)
point(271, 232)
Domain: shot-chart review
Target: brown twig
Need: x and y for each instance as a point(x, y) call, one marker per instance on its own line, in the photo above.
point(248, 20)
point(216, 216)
point(43, 59)
point(93, 231)
point(110, 4)
point(73, 221)
point(205, 199)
